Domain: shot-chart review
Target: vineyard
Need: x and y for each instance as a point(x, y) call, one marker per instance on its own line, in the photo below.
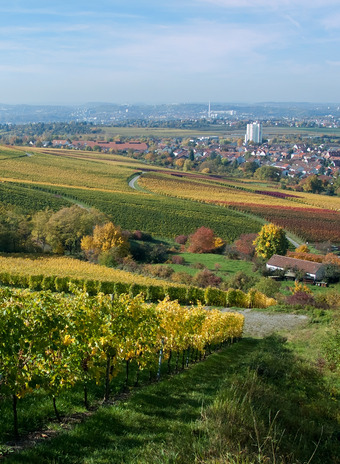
point(52, 343)
point(102, 182)
point(54, 178)
point(29, 199)
point(302, 214)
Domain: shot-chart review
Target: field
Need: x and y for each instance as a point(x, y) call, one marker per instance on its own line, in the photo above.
point(213, 129)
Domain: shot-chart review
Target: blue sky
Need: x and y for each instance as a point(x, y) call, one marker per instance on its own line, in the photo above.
point(71, 51)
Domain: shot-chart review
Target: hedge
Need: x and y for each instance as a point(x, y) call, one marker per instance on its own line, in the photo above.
point(153, 293)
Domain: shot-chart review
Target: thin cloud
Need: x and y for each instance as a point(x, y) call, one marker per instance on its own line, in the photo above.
point(293, 21)
point(277, 5)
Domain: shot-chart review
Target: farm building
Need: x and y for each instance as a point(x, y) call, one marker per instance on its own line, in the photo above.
point(311, 269)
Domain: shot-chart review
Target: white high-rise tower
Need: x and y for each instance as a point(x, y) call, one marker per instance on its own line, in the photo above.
point(254, 133)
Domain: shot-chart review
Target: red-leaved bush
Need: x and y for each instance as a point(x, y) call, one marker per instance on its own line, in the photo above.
point(177, 259)
point(181, 239)
point(207, 278)
point(301, 299)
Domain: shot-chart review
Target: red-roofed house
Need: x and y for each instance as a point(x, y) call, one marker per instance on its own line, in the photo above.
point(311, 269)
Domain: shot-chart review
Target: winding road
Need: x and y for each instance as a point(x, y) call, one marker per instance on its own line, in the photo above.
point(132, 182)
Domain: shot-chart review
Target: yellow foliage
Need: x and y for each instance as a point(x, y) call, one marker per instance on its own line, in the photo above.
point(300, 287)
point(218, 242)
point(302, 249)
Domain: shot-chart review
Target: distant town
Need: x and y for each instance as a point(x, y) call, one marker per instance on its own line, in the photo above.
point(297, 145)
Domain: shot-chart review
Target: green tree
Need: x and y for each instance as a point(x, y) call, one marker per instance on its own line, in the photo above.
point(313, 184)
point(268, 173)
point(271, 240)
point(66, 228)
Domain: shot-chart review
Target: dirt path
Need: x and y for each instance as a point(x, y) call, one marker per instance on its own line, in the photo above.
point(260, 324)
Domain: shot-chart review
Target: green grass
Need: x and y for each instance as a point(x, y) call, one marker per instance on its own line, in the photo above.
point(225, 267)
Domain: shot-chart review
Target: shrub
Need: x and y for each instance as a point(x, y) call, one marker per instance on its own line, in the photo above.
point(18, 280)
point(48, 283)
point(177, 293)
point(182, 277)
point(163, 272)
point(331, 348)
point(106, 287)
point(231, 252)
point(35, 282)
point(78, 284)
point(110, 258)
point(237, 298)
point(139, 251)
point(256, 299)
point(198, 266)
point(241, 281)
point(61, 284)
point(177, 259)
point(204, 241)
point(215, 297)
point(91, 286)
point(155, 293)
point(158, 253)
point(149, 252)
point(181, 239)
point(245, 245)
point(120, 288)
point(269, 287)
point(207, 278)
point(5, 278)
point(195, 295)
point(331, 272)
point(301, 299)
point(136, 289)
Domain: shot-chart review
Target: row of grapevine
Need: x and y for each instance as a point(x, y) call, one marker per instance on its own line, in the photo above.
point(67, 171)
point(308, 223)
point(310, 220)
point(29, 200)
point(52, 342)
point(153, 293)
point(155, 214)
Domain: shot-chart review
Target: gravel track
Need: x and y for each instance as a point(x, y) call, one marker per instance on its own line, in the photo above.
point(261, 324)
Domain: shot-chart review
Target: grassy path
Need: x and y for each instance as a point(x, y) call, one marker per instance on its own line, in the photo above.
point(159, 416)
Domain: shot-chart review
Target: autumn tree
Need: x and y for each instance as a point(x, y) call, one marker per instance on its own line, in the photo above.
point(204, 241)
point(271, 240)
point(245, 245)
point(107, 240)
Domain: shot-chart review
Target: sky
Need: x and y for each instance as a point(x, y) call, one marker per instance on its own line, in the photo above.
point(174, 51)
